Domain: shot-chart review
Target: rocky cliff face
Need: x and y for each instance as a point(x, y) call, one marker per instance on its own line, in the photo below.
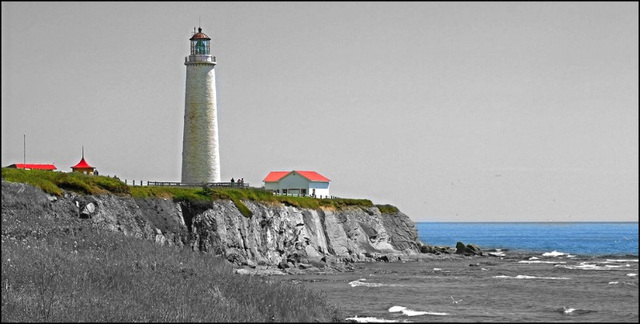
point(276, 235)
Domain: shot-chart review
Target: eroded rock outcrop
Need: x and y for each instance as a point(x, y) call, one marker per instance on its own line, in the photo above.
point(469, 249)
point(276, 235)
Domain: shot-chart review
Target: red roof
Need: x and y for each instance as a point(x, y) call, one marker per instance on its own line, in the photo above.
point(199, 35)
point(275, 176)
point(82, 165)
point(313, 176)
point(36, 166)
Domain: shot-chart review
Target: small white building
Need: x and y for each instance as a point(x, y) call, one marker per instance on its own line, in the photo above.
point(298, 183)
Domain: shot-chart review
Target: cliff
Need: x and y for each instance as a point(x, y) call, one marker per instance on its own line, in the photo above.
point(276, 234)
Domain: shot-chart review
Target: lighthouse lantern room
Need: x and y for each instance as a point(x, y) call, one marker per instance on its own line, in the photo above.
point(200, 48)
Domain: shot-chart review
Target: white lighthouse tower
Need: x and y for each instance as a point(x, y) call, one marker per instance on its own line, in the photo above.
point(200, 150)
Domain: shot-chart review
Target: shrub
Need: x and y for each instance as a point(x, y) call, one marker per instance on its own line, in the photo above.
point(387, 209)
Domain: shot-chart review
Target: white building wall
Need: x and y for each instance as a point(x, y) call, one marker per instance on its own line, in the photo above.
point(322, 189)
point(294, 181)
point(200, 149)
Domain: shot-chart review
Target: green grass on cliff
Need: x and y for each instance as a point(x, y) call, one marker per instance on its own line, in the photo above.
point(54, 183)
point(65, 270)
point(387, 209)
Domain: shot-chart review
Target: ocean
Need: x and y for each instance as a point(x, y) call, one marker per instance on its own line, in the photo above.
point(530, 272)
point(583, 238)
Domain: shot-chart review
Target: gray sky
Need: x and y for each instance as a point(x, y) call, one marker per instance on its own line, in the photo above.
point(449, 111)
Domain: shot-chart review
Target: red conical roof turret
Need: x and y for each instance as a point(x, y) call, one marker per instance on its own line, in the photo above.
point(82, 165)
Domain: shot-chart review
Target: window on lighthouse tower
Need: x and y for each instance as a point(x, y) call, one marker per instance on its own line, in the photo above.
point(200, 47)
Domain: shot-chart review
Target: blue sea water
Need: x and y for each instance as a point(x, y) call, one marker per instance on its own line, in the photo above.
point(580, 238)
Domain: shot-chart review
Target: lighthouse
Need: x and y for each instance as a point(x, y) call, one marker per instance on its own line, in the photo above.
point(200, 149)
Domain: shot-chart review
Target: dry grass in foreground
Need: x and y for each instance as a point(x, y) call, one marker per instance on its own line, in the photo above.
point(56, 270)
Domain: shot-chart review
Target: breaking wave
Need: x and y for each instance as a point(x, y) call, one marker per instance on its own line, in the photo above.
point(591, 266)
point(540, 261)
point(410, 312)
point(620, 260)
point(573, 311)
point(531, 277)
point(557, 254)
point(361, 283)
point(369, 320)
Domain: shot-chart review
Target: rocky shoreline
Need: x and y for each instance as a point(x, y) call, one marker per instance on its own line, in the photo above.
point(332, 265)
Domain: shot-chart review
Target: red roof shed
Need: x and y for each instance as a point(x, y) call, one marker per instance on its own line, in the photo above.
point(32, 166)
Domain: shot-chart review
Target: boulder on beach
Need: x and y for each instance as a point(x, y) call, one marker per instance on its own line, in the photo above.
point(425, 248)
point(473, 249)
point(460, 248)
point(469, 249)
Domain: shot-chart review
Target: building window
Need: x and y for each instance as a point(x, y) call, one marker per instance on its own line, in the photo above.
point(200, 47)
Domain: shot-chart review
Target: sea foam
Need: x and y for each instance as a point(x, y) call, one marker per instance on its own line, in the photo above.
point(531, 277)
point(539, 261)
point(572, 311)
point(557, 254)
point(370, 320)
point(411, 312)
point(553, 254)
point(589, 266)
point(361, 283)
point(620, 260)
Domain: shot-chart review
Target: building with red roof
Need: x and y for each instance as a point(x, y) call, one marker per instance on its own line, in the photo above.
point(83, 166)
point(33, 166)
point(297, 183)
